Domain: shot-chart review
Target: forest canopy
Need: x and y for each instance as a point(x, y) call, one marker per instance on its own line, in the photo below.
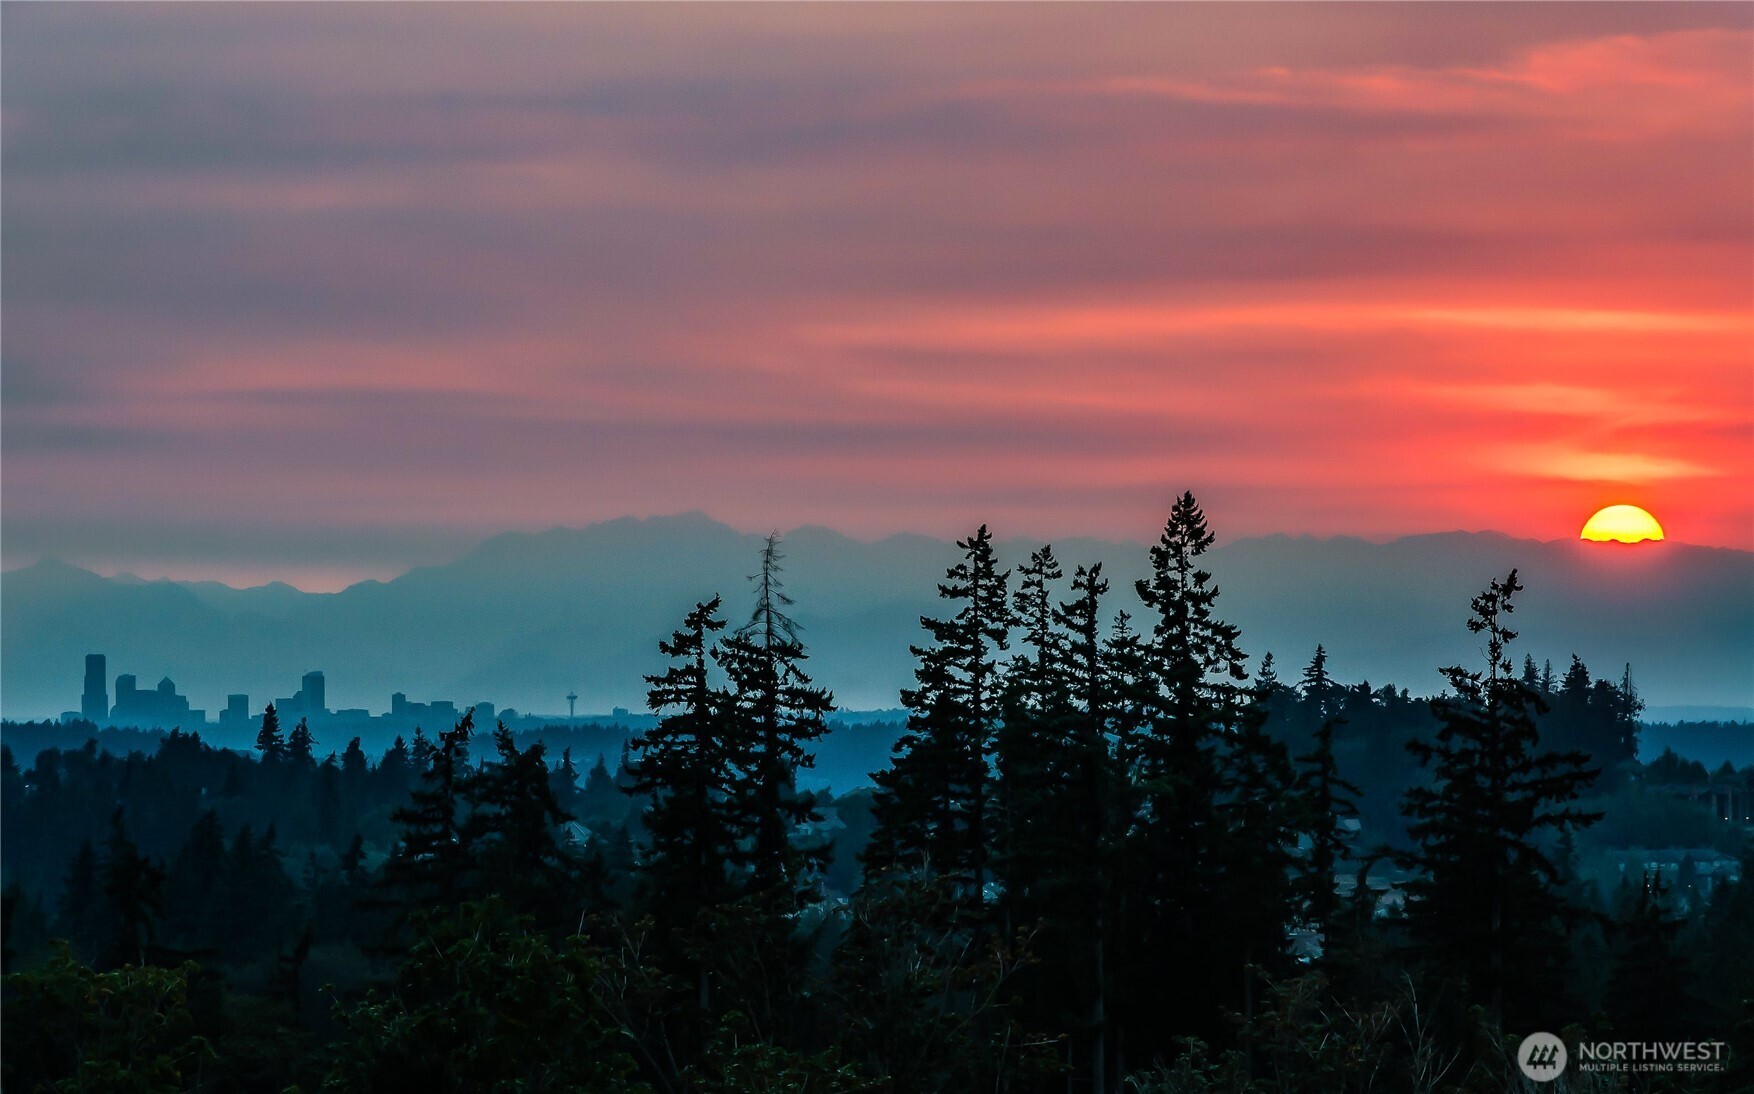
point(1109, 851)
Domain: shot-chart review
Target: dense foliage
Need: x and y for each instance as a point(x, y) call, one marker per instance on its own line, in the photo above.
point(1104, 856)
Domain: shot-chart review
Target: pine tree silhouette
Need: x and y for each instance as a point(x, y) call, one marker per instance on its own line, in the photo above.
point(1325, 799)
point(1030, 746)
point(1177, 843)
point(510, 829)
point(301, 745)
point(775, 713)
point(430, 864)
point(683, 763)
point(1318, 688)
point(933, 804)
point(1483, 906)
point(134, 892)
point(269, 742)
point(81, 908)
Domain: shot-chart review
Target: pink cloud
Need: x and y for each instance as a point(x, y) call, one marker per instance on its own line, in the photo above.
point(1619, 88)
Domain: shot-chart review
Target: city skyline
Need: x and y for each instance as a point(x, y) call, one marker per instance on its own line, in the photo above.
point(163, 707)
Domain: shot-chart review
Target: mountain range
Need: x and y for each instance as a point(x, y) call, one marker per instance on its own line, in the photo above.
point(524, 618)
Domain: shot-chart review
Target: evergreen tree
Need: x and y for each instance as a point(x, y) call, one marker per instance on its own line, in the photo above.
point(353, 860)
point(1267, 678)
point(563, 785)
point(1196, 653)
point(1627, 708)
point(1082, 804)
point(301, 745)
point(1133, 695)
point(1318, 689)
point(1178, 842)
point(258, 906)
point(601, 804)
point(134, 893)
point(420, 751)
point(933, 804)
point(608, 870)
point(511, 830)
point(396, 772)
point(1326, 800)
point(1482, 906)
point(192, 885)
point(431, 860)
point(82, 909)
point(1261, 816)
point(775, 713)
point(1278, 705)
point(682, 763)
point(269, 741)
point(1575, 686)
point(355, 774)
point(1032, 744)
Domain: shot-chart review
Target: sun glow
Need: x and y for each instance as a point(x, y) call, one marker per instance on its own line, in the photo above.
point(1621, 524)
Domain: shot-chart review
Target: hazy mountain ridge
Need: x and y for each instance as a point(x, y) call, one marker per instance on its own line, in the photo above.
point(524, 617)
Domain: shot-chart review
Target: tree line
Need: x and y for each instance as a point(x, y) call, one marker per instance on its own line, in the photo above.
point(1104, 856)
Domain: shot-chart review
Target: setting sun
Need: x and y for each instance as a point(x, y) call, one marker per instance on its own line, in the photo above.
point(1621, 524)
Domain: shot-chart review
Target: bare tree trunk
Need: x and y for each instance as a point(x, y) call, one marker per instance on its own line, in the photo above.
point(1099, 1009)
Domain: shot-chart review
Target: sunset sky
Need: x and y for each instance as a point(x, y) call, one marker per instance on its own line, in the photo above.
point(318, 292)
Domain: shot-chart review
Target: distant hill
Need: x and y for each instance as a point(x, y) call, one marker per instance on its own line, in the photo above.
point(523, 618)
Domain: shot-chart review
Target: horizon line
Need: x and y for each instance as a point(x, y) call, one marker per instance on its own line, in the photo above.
point(133, 576)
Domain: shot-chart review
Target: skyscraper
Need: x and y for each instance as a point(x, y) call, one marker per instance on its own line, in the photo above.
point(95, 703)
point(316, 701)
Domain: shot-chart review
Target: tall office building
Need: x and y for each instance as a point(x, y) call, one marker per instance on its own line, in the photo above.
point(95, 703)
point(235, 718)
point(316, 701)
point(311, 702)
